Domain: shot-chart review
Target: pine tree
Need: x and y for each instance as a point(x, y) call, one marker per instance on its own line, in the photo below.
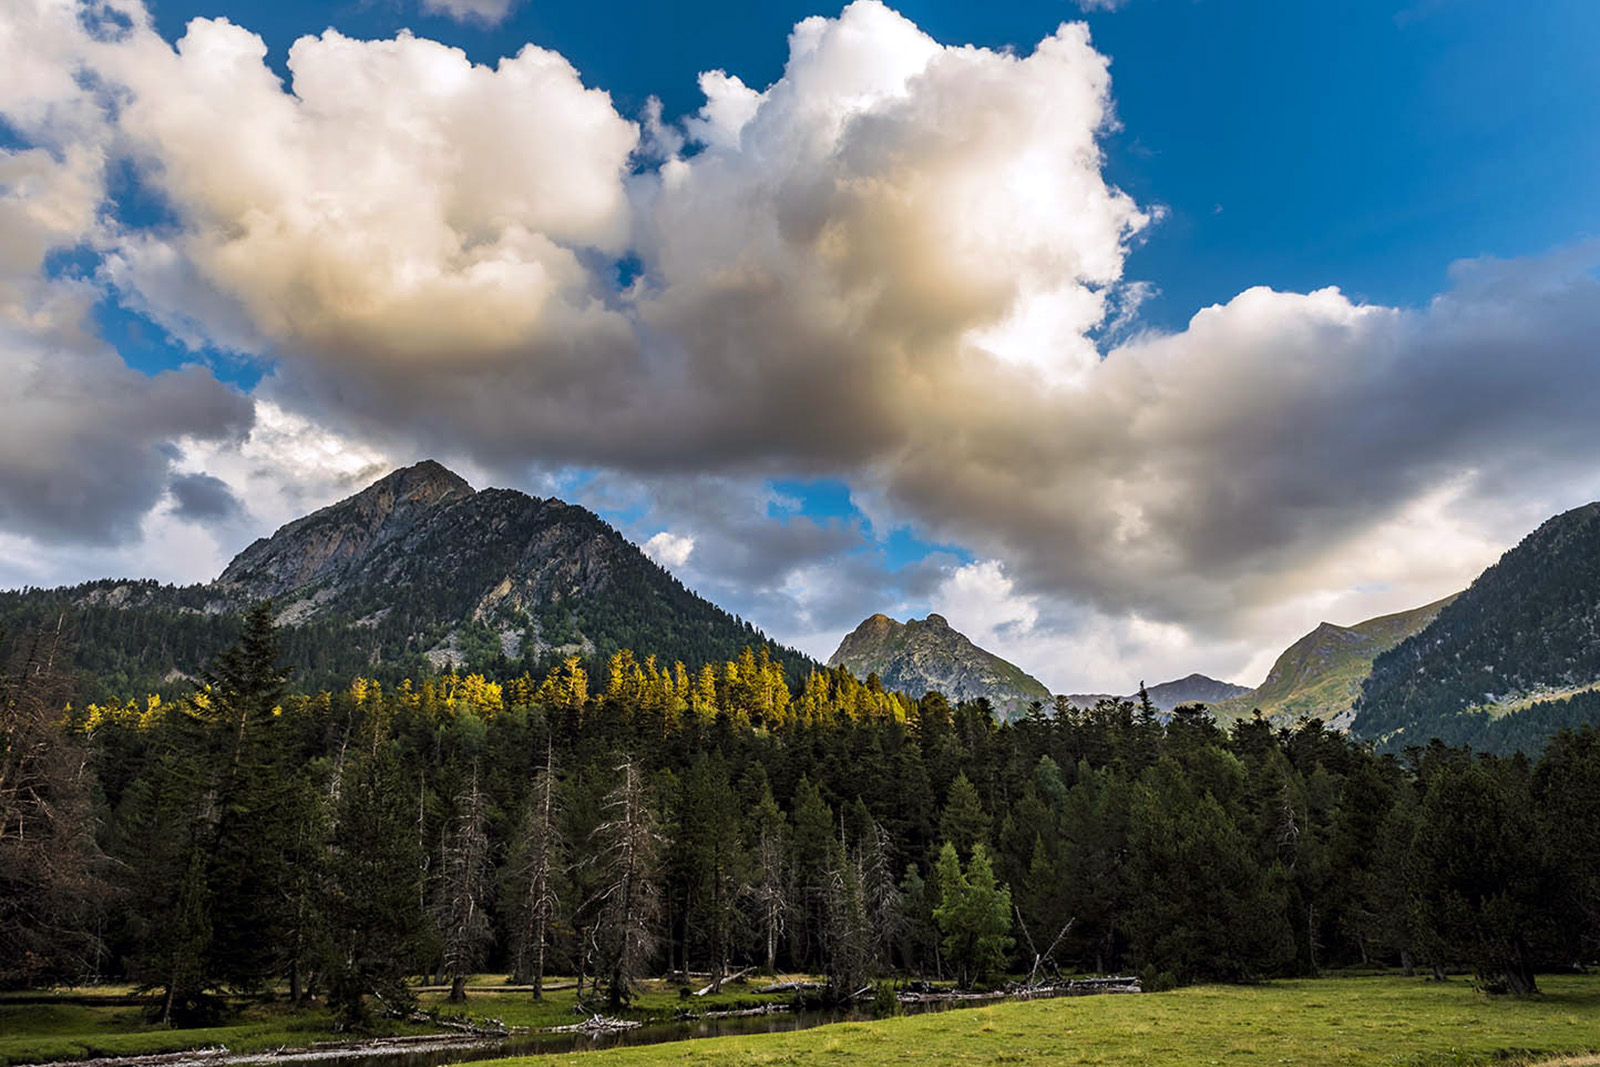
point(253, 833)
point(974, 914)
point(964, 823)
point(374, 913)
point(714, 860)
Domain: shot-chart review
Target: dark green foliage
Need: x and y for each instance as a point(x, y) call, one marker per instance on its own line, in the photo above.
point(1482, 884)
point(1204, 906)
point(974, 915)
point(375, 877)
point(963, 822)
point(342, 844)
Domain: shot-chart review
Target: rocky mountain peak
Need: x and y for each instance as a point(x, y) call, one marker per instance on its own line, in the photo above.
point(314, 547)
point(428, 480)
point(925, 654)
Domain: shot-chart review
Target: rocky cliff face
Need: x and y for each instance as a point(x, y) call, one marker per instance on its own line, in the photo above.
point(925, 654)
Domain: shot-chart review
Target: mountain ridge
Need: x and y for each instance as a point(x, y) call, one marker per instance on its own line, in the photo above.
point(415, 573)
point(1320, 675)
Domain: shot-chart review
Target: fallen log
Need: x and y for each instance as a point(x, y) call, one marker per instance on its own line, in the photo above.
point(597, 1024)
point(738, 1013)
point(731, 978)
point(790, 987)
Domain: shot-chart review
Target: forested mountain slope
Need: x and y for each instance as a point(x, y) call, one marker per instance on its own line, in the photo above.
point(416, 573)
point(1510, 660)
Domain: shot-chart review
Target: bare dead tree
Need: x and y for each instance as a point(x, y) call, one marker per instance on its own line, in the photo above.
point(533, 868)
point(51, 870)
point(628, 846)
point(460, 907)
point(881, 894)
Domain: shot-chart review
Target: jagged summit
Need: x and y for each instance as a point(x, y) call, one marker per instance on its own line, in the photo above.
point(422, 549)
point(924, 654)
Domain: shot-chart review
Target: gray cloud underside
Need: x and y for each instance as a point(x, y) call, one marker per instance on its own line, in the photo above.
point(204, 498)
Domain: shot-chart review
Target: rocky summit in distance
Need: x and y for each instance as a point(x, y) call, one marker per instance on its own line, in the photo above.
point(1195, 689)
point(416, 573)
point(925, 654)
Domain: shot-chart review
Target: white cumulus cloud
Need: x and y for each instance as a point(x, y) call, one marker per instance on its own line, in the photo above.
point(669, 549)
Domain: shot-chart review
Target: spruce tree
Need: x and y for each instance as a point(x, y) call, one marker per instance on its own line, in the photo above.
point(375, 917)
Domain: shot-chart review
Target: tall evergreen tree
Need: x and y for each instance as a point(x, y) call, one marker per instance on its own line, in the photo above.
point(375, 916)
point(964, 823)
point(974, 914)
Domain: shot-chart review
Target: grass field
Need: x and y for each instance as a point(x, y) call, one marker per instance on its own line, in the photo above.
point(1329, 1022)
point(1370, 1022)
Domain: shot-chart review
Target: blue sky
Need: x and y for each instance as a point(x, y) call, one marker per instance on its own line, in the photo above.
point(808, 428)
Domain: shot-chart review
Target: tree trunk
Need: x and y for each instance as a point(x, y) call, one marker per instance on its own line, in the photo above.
point(458, 988)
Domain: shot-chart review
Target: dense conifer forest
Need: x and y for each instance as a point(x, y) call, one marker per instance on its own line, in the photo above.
point(656, 819)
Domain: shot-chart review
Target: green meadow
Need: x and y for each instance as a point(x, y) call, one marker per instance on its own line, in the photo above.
point(1384, 1021)
point(1327, 1022)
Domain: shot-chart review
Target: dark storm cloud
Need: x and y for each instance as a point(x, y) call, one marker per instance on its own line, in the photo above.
point(204, 498)
point(85, 443)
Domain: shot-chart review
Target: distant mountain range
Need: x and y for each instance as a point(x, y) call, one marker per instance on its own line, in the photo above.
point(1194, 689)
point(926, 654)
point(419, 572)
point(1320, 675)
point(1500, 666)
point(415, 573)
